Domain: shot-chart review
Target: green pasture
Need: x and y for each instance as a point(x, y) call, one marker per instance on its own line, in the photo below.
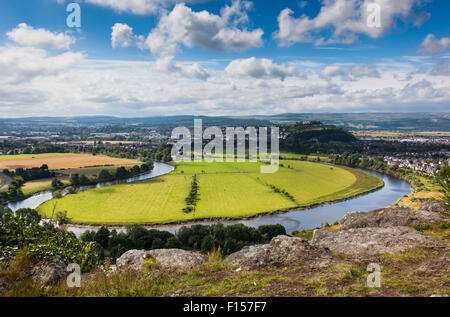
point(226, 190)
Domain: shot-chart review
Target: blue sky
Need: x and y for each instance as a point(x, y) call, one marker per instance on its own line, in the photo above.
point(164, 57)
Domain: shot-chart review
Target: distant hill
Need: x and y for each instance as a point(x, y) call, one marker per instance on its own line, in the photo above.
point(371, 121)
point(304, 134)
point(172, 121)
point(350, 121)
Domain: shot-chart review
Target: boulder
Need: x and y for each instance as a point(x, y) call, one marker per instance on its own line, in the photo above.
point(174, 258)
point(132, 260)
point(48, 272)
point(371, 241)
point(167, 258)
point(281, 249)
point(389, 217)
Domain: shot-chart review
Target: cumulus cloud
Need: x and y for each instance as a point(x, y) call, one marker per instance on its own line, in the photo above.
point(21, 64)
point(182, 26)
point(433, 45)
point(28, 36)
point(215, 32)
point(259, 69)
point(122, 36)
point(167, 65)
point(140, 7)
point(347, 20)
point(350, 73)
point(442, 68)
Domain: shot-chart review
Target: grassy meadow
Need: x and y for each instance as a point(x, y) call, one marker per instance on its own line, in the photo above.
point(226, 190)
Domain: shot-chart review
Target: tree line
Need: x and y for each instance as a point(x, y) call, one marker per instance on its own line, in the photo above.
point(227, 239)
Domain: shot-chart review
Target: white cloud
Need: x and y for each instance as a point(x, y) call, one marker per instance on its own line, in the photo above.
point(442, 68)
point(28, 36)
point(22, 64)
point(32, 82)
point(122, 36)
point(167, 65)
point(214, 32)
point(347, 20)
point(141, 7)
point(260, 69)
point(350, 73)
point(433, 45)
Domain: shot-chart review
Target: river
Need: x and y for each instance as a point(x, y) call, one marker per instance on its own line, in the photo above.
point(311, 218)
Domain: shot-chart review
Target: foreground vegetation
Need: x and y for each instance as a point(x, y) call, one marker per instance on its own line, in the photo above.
point(223, 190)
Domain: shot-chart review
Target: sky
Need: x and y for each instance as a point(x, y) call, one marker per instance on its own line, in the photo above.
point(211, 57)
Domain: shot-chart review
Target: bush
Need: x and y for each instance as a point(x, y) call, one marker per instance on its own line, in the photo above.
point(21, 233)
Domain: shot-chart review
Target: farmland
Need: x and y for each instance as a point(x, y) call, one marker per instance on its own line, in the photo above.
point(63, 164)
point(226, 190)
point(59, 161)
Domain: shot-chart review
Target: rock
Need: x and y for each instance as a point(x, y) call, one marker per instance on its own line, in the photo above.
point(167, 258)
point(132, 260)
point(281, 249)
point(250, 257)
point(389, 217)
point(441, 264)
point(370, 241)
point(179, 293)
point(174, 258)
point(434, 206)
point(48, 272)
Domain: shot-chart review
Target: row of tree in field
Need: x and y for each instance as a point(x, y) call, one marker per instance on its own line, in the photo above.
point(227, 239)
point(29, 174)
point(192, 199)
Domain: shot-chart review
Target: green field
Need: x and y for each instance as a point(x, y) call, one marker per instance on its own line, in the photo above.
point(226, 190)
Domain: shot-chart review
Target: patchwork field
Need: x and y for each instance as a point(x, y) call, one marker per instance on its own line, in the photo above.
point(226, 190)
point(59, 161)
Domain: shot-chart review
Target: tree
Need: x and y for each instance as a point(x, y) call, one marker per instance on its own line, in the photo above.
point(102, 237)
point(28, 217)
point(207, 244)
point(173, 243)
point(75, 179)
point(57, 184)
point(61, 217)
point(121, 173)
point(104, 176)
point(84, 179)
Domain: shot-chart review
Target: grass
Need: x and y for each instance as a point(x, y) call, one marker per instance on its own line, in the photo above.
point(40, 185)
point(226, 190)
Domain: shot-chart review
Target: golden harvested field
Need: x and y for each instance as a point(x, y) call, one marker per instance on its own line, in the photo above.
point(60, 161)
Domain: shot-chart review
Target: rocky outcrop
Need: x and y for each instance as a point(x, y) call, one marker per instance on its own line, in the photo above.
point(389, 217)
point(48, 272)
point(281, 249)
point(434, 206)
point(168, 258)
point(371, 241)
